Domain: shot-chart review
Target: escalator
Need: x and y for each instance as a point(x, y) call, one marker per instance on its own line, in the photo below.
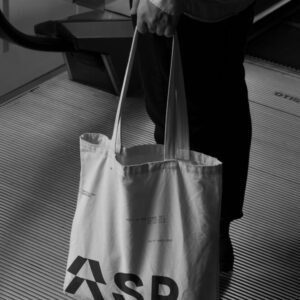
point(275, 37)
point(40, 166)
point(95, 44)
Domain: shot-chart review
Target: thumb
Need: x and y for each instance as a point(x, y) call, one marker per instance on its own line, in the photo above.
point(134, 7)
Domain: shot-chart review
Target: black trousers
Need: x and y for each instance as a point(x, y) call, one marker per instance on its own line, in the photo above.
point(217, 96)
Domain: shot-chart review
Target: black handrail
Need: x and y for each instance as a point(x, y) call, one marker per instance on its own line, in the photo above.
point(51, 44)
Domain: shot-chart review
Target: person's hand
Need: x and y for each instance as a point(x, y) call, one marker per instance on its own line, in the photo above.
point(151, 18)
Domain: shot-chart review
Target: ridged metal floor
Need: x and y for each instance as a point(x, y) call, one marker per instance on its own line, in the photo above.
point(39, 176)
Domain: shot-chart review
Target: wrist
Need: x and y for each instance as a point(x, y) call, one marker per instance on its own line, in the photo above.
point(171, 7)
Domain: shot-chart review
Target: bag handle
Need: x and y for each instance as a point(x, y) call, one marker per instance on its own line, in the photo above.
point(116, 136)
point(176, 127)
point(176, 122)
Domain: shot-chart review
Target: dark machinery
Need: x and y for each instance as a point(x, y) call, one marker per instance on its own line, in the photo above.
point(275, 36)
point(95, 46)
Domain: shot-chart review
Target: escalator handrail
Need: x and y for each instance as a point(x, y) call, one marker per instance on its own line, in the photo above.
point(52, 44)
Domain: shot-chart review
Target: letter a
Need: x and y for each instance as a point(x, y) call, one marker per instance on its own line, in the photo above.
point(75, 284)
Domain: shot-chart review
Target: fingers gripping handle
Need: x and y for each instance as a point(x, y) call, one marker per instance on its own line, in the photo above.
point(176, 128)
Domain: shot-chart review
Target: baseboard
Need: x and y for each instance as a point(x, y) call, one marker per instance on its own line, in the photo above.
point(10, 96)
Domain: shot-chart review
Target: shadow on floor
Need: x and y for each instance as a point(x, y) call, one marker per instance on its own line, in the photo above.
point(225, 279)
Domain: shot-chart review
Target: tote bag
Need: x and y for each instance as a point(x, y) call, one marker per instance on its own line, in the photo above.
point(146, 224)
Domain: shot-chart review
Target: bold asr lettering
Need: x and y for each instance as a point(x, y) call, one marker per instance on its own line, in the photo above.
point(77, 265)
point(118, 297)
point(94, 290)
point(157, 281)
point(96, 270)
point(121, 279)
point(75, 284)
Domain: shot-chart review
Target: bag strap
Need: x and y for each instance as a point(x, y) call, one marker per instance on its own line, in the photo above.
point(116, 136)
point(176, 122)
point(176, 127)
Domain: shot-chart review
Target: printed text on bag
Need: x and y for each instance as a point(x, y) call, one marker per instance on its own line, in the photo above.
point(120, 281)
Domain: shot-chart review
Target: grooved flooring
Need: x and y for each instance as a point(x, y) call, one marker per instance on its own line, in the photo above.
point(39, 176)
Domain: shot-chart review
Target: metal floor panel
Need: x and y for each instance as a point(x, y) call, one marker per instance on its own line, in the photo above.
point(39, 176)
point(275, 89)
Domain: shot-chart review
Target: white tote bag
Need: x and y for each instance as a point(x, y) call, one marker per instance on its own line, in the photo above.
point(147, 219)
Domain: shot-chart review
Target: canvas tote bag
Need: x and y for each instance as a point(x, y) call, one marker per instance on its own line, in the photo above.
point(147, 219)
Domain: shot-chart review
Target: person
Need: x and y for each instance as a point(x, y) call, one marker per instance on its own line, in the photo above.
point(212, 36)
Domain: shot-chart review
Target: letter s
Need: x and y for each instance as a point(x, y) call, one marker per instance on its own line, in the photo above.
point(120, 280)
